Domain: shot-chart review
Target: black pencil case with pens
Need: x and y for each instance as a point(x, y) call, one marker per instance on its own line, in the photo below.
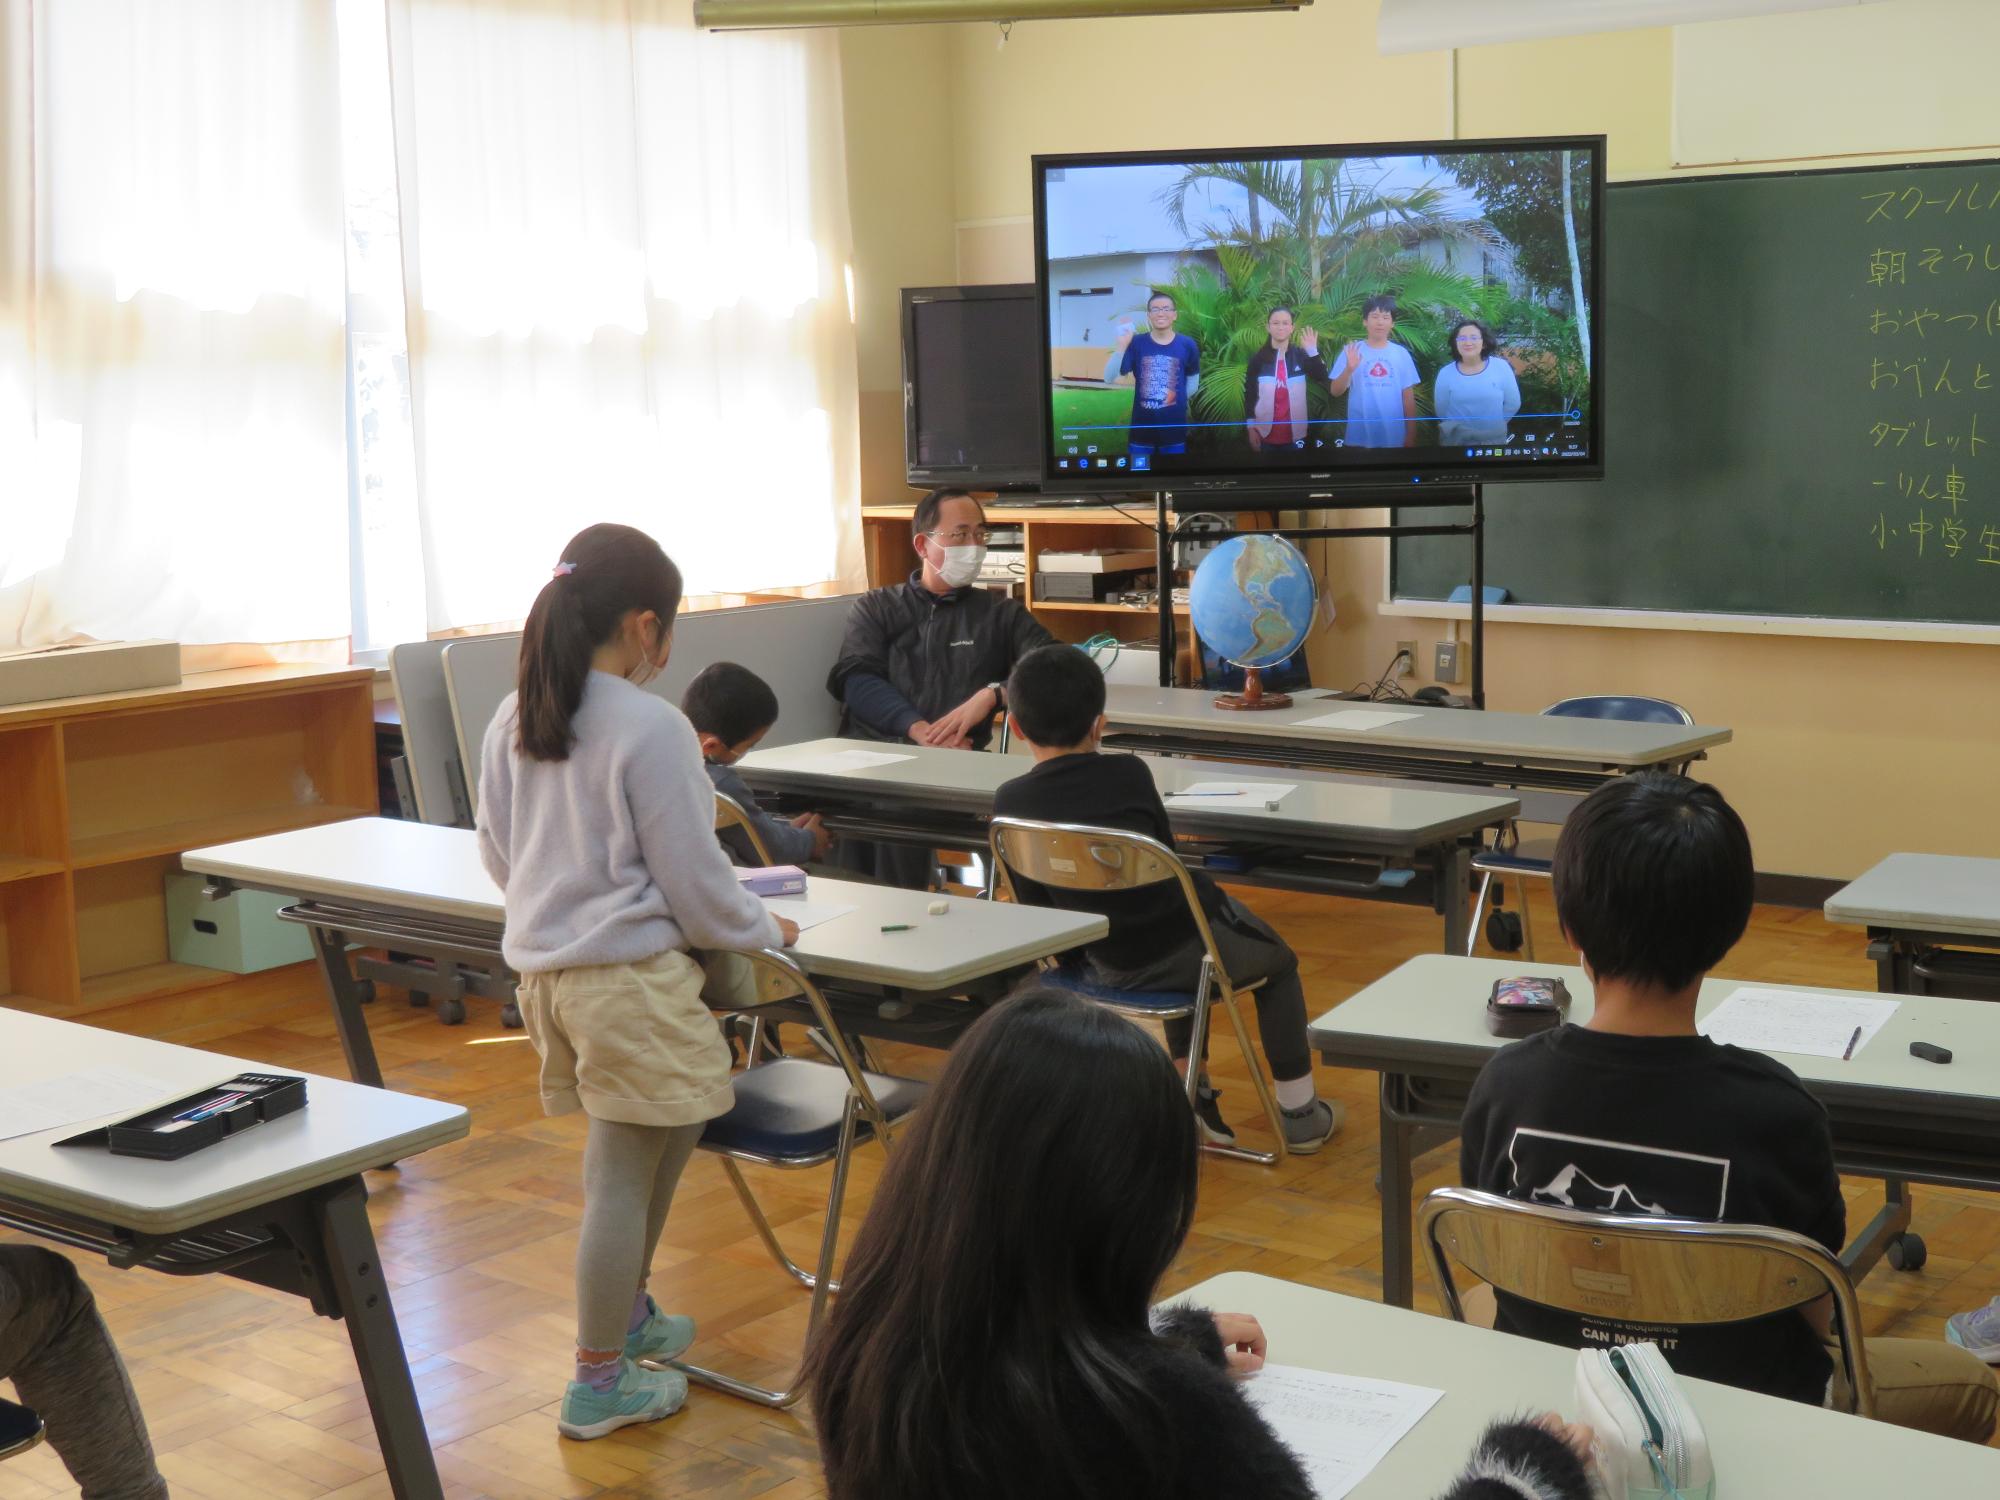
point(161, 1133)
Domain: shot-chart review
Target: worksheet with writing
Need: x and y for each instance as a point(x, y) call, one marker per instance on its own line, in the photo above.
point(1805, 1024)
point(1340, 1426)
point(87, 1095)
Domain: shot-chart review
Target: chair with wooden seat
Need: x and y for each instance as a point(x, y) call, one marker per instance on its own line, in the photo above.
point(729, 813)
point(1635, 1269)
point(1511, 859)
point(1075, 857)
point(792, 1113)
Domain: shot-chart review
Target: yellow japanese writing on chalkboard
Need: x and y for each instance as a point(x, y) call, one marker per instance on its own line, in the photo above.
point(1931, 307)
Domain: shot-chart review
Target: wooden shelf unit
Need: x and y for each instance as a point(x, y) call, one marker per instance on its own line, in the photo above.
point(892, 557)
point(103, 794)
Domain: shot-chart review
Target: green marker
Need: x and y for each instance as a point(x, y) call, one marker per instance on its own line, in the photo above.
point(899, 927)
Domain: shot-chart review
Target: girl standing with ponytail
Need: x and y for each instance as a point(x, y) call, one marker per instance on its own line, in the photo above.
point(597, 821)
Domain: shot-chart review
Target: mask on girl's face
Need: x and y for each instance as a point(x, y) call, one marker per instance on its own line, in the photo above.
point(961, 564)
point(646, 670)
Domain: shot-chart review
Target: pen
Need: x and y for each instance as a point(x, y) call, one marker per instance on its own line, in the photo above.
point(899, 927)
point(209, 1106)
point(1848, 1055)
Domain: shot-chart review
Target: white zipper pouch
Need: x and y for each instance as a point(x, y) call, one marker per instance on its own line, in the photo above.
point(1650, 1444)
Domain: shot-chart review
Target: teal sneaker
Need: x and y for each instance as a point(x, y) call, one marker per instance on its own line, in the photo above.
point(639, 1396)
point(663, 1336)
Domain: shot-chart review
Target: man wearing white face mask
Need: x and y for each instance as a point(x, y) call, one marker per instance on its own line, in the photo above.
point(926, 660)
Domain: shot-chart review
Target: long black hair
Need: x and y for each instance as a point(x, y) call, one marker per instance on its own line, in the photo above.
point(1000, 1285)
point(605, 573)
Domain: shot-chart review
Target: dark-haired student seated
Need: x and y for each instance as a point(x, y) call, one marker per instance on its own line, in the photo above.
point(732, 708)
point(994, 1337)
point(1055, 701)
point(1635, 1111)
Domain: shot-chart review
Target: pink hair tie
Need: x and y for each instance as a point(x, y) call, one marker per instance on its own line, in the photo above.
point(563, 570)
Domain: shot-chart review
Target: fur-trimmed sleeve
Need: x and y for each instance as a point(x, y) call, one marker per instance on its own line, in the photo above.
point(1521, 1461)
point(1193, 1329)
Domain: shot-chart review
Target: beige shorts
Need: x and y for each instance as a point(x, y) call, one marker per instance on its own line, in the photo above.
point(630, 1042)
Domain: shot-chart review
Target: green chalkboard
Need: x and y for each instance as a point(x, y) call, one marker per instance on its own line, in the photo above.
point(1802, 408)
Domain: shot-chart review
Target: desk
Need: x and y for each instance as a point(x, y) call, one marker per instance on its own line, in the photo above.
point(1763, 1447)
point(420, 888)
point(1917, 908)
point(282, 1205)
point(1330, 836)
point(1455, 745)
point(1894, 1116)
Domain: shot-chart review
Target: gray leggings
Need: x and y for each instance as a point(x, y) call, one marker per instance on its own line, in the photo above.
point(55, 1349)
point(629, 1176)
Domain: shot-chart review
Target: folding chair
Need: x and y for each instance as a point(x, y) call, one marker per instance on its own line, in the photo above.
point(1510, 858)
point(792, 1113)
point(1636, 1269)
point(1076, 857)
point(729, 813)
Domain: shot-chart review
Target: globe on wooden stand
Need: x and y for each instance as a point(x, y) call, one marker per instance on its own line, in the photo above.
point(1252, 603)
point(1253, 695)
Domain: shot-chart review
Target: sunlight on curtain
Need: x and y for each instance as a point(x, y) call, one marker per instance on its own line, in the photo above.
point(171, 371)
point(625, 253)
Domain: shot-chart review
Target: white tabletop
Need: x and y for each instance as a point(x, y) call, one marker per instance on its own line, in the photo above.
point(1377, 812)
point(1944, 893)
point(1454, 732)
point(1438, 999)
point(344, 1128)
point(388, 864)
point(1763, 1447)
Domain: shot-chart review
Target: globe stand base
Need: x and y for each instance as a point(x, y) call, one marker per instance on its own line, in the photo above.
point(1253, 696)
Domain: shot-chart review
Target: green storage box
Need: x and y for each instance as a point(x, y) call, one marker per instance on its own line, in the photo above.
point(242, 933)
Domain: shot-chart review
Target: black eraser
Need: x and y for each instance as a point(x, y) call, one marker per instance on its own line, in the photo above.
point(1930, 1052)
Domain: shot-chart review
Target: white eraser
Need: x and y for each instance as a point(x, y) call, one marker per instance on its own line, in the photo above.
point(939, 908)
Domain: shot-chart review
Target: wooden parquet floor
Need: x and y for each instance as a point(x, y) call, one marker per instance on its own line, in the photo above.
point(249, 1395)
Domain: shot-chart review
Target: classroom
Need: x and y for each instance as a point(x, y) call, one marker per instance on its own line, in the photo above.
point(1108, 748)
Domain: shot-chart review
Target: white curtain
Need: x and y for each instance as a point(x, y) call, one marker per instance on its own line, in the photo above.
point(626, 272)
point(172, 385)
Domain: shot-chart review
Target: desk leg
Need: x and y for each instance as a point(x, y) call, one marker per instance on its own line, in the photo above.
point(1397, 1250)
point(1890, 1225)
point(343, 991)
point(363, 1300)
point(1455, 885)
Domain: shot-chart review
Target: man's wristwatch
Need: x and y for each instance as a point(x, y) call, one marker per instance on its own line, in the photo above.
point(999, 691)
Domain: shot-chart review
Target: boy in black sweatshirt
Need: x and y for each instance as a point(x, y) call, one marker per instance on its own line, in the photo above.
point(1055, 701)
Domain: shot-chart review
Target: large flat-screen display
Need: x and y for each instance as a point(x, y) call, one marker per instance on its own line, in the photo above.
point(1319, 319)
point(972, 387)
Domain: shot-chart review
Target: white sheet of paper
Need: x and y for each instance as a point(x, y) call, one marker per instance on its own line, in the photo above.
point(1233, 793)
point(1340, 1426)
point(1807, 1025)
point(90, 1094)
point(1357, 718)
point(836, 762)
point(808, 914)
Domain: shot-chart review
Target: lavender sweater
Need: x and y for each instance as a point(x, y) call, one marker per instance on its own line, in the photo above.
point(610, 856)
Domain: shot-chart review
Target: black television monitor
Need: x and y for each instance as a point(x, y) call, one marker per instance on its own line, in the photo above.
point(1322, 319)
point(972, 387)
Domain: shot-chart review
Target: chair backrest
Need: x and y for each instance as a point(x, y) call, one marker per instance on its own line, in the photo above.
point(1634, 1269)
point(729, 813)
point(776, 975)
point(1633, 710)
point(1078, 857)
point(431, 744)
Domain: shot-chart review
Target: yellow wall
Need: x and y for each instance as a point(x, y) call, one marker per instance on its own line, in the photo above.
point(1844, 750)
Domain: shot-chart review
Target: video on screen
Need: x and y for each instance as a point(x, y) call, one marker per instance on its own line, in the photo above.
point(1320, 312)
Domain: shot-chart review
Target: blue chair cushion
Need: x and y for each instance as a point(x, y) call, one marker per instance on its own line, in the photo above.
point(1076, 982)
point(789, 1110)
point(1633, 710)
point(1531, 857)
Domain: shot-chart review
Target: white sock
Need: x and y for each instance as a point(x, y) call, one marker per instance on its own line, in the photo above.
point(1295, 1093)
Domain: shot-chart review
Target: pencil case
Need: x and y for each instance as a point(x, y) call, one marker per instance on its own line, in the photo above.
point(160, 1135)
point(1650, 1443)
point(773, 880)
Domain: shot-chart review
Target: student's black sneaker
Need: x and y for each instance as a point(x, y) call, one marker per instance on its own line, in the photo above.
point(1310, 1127)
point(1214, 1129)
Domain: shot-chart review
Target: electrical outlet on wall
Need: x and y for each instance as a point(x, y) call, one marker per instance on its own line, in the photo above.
point(1447, 661)
point(1406, 664)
